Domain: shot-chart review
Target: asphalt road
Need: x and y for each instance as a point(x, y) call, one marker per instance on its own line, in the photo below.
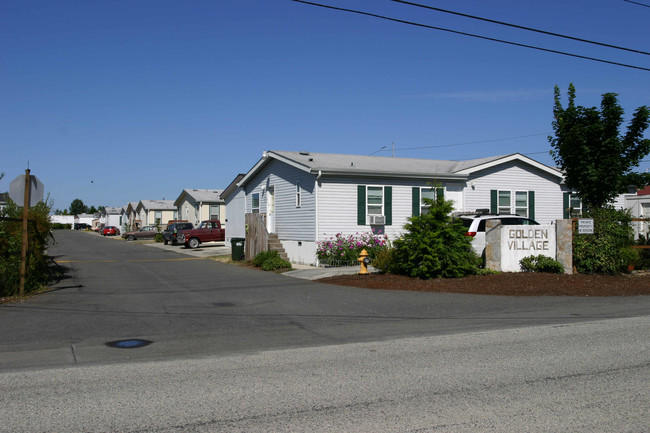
point(193, 307)
point(235, 349)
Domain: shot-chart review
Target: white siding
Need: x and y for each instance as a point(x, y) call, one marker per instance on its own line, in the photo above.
point(517, 176)
point(301, 252)
point(236, 208)
point(113, 220)
point(337, 204)
point(291, 222)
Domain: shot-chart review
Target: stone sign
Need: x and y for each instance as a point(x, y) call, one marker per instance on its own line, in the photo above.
point(518, 242)
point(507, 245)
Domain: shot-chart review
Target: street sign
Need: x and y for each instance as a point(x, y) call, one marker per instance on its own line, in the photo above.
point(17, 190)
point(585, 226)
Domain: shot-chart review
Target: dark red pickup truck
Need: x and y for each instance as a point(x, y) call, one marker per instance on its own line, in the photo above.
point(207, 231)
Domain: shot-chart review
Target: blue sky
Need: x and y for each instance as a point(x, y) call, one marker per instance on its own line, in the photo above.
point(118, 101)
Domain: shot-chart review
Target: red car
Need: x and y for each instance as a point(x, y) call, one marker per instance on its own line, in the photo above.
point(110, 231)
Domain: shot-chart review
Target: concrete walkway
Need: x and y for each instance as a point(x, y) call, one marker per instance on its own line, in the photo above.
point(315, 273)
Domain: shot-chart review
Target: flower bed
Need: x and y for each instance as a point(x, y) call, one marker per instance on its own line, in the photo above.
point(344, 250)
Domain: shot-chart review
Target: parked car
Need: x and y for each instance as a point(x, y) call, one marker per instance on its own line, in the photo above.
point(81, 226)
point(207, 231)
point(170, 234)
point(110, 231)
point(99, 229)
point(146, 232)
point(475, 225)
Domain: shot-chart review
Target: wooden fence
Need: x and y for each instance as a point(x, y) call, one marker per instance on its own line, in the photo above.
point(257, 238)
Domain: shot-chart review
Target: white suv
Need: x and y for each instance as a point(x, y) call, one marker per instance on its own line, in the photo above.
point(475, 225)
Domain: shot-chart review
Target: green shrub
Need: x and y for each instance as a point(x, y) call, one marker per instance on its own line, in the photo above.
point(275, 263)
point(270, 261)
point(541, 263)
point(40, 236)
point(262, 257)
point(643, 261)
point(629, 257)
point(602, 252)
point(435, 245)
point(385, 260)
point(60, 226)
point(158, 237)
point(486, 271)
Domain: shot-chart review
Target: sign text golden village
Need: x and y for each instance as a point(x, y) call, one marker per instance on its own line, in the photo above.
point(526, 239)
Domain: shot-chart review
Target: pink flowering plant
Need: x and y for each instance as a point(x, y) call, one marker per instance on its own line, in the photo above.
point(344, 250)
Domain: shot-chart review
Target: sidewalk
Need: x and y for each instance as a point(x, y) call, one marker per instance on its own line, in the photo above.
point(315, 273)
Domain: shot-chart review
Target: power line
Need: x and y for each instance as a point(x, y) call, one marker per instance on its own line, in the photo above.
point(471, 35)
point(637, 3)
point(545, 32)
point(460, 144)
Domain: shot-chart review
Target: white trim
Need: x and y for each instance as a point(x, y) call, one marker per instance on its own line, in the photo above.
point(513, 157)
point(372, 173)
point(265, 160)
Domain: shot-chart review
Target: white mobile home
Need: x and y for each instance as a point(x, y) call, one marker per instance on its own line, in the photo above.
point(235, 202)
point(310, 197)
point(196, 205)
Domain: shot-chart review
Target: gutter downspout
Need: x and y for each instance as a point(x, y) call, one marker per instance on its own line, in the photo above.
point(316, 187)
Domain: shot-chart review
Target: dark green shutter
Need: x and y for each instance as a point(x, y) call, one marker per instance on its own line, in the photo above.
point(493, 201)
point(415, 201)
point(440, 192)
point(361, 205)
point(566, 205)
point(388, 204)
point(531, 205)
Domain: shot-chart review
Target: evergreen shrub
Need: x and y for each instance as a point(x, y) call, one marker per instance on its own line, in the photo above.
point(434, 245)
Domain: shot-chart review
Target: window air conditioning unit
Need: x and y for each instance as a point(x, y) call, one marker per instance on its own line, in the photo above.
point(376, 220)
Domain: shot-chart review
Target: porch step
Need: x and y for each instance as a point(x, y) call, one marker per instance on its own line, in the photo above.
point(276, 245)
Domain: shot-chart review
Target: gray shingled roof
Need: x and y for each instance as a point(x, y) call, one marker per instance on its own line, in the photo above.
point(158, 204)
point(112, 210)
point(330, 162)
point(383, 166)
point(205, 195)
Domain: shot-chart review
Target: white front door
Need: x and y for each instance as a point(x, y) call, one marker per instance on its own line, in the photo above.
point(270, 209)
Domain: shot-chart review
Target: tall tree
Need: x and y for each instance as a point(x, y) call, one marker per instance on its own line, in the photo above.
point(596, 160)
point(77, 207)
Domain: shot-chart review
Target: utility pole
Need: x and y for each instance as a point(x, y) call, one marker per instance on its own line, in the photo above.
point(393, 149)
point(23, 256)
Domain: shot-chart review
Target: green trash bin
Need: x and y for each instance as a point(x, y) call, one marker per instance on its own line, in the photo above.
point(237, 247)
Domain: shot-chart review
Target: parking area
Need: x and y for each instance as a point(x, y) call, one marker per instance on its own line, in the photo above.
point(205, 250)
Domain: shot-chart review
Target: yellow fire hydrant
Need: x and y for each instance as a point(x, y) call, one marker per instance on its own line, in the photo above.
point(364, 261)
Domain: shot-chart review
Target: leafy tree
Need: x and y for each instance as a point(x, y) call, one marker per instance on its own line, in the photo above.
point(77, 207)
point(92, 209)
point(434, 245)
point(596, 160)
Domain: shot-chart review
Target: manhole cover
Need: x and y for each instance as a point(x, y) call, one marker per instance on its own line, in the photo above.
point(129, 344)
